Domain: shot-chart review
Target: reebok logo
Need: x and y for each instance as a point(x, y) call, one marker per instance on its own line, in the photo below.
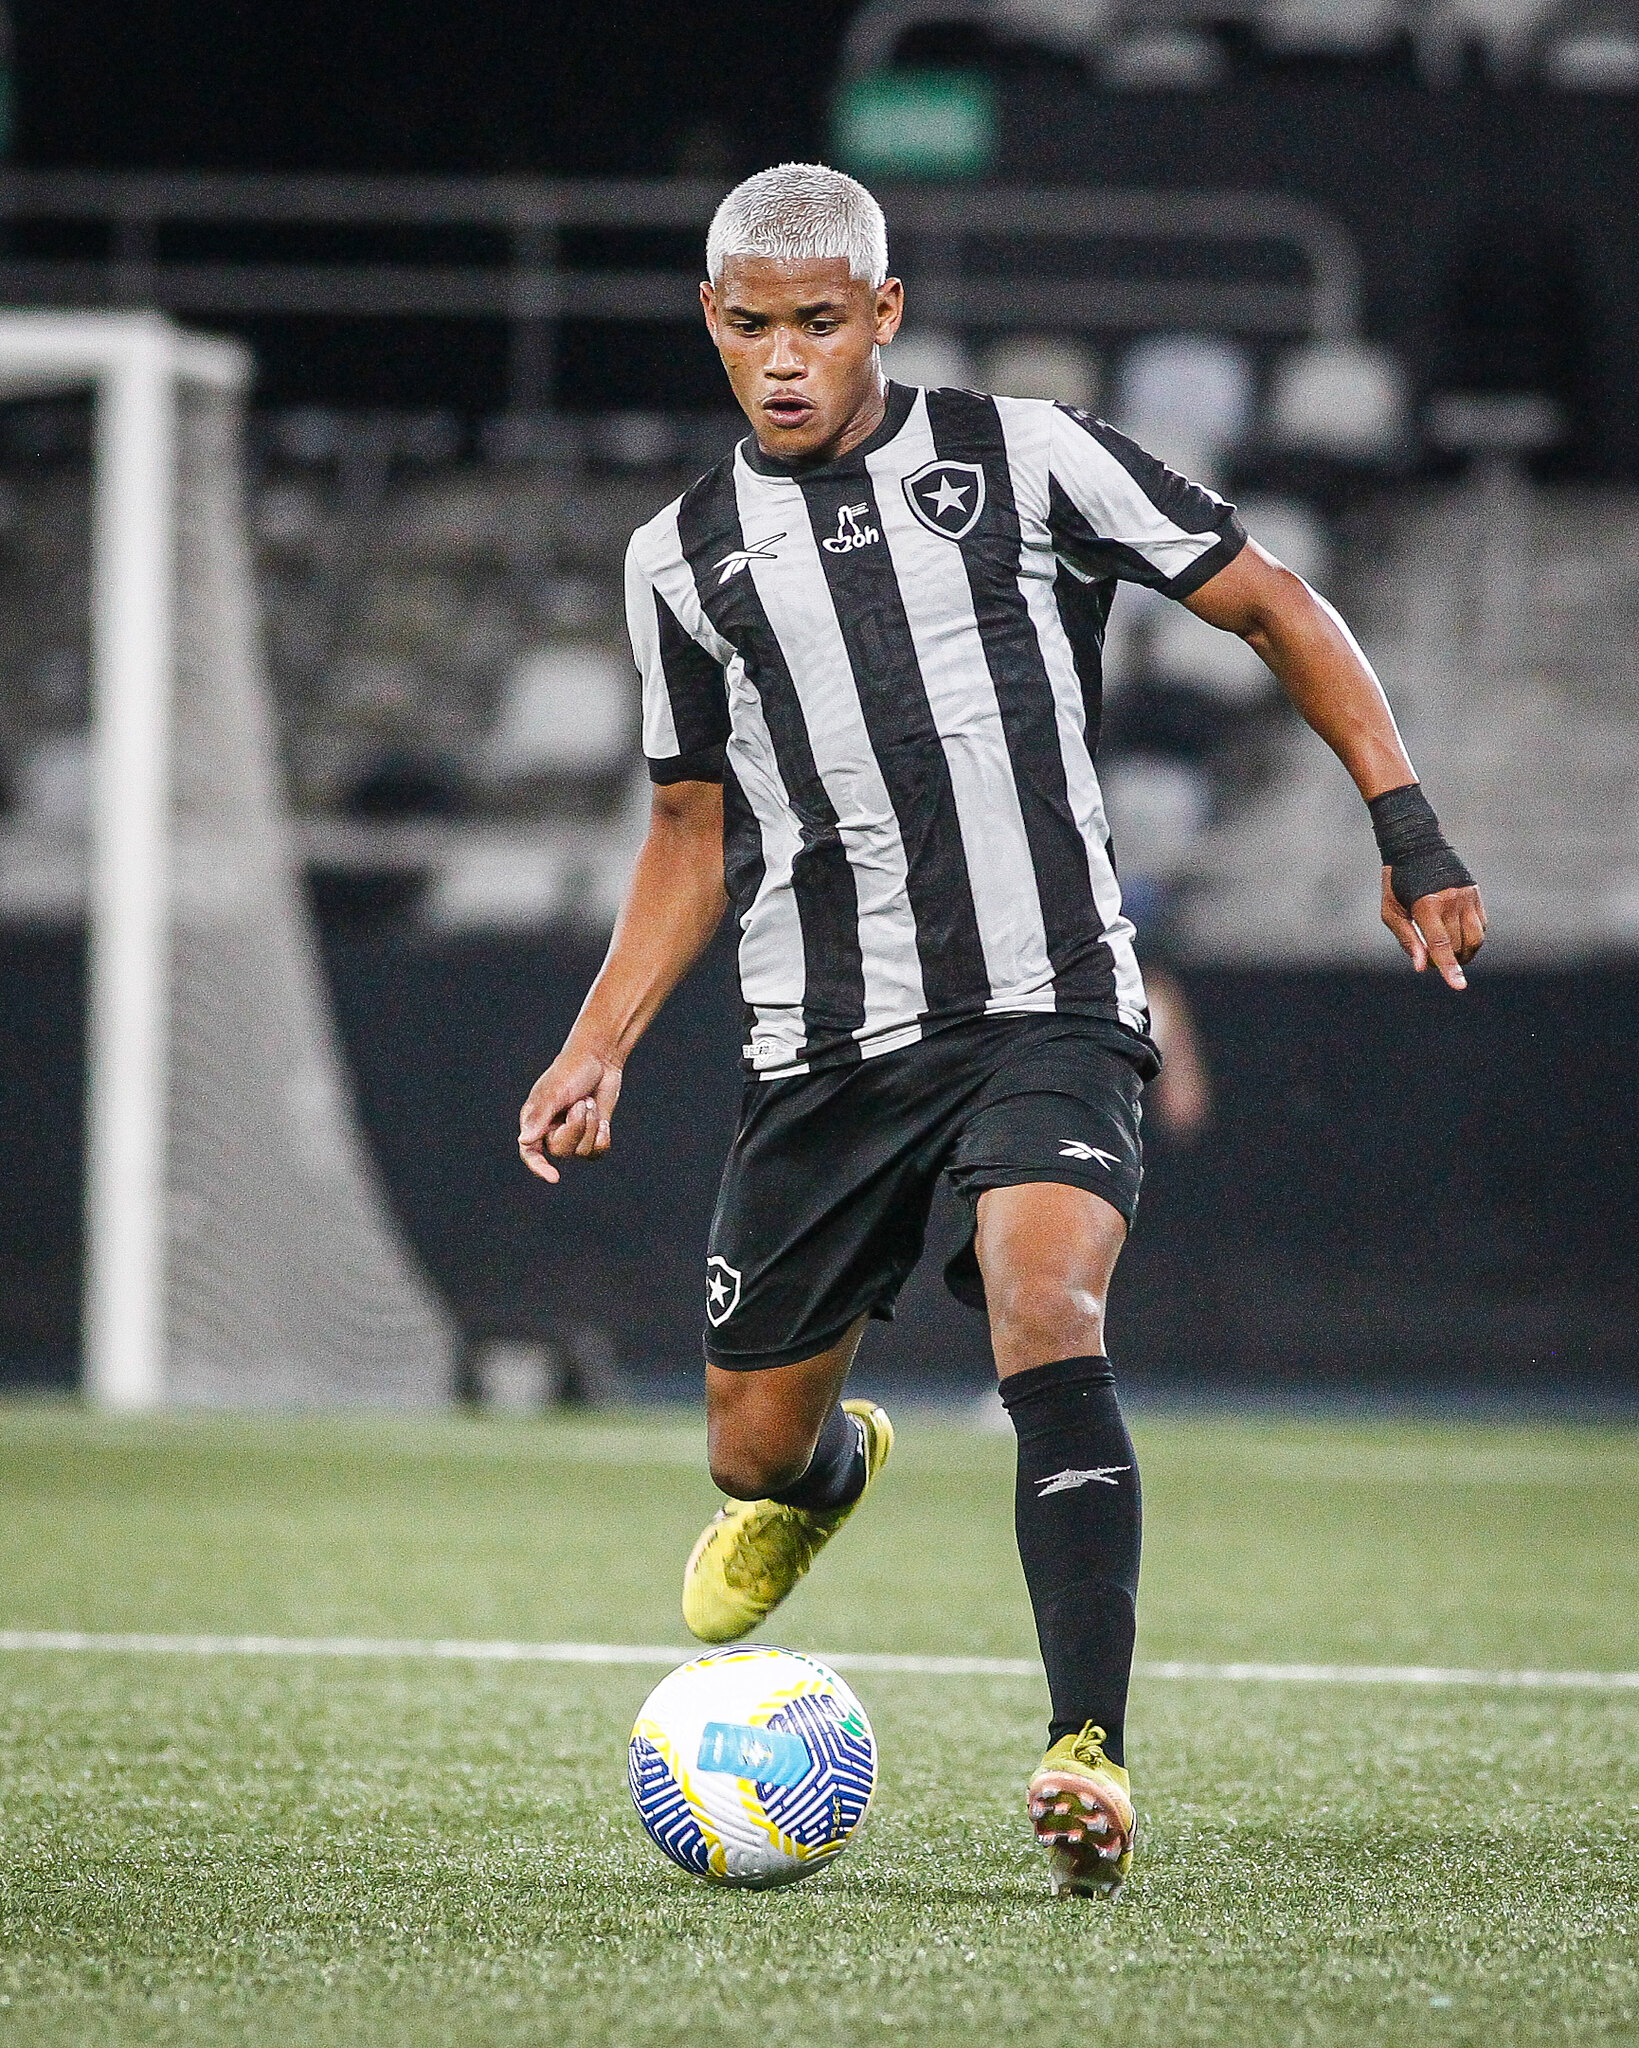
point(742, 558)
point(851, 533)
point(1075, 1148)
point(1068, 1481)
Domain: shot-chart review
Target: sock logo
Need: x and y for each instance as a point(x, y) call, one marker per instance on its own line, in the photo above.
point(1068, 1481)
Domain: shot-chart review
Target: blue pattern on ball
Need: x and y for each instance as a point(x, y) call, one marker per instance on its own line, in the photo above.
point(830, 1801)
point(663, 1810)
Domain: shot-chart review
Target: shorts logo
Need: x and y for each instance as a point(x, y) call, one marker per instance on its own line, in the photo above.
point(722, 1290)
point(947, 497)
point(1076, 1148)
point(851, 531)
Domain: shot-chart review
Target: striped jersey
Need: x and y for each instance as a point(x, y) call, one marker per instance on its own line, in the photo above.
point(892, 664)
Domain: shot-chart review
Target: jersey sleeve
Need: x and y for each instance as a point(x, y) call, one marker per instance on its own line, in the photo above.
point(1114, 510)
point(685, 695)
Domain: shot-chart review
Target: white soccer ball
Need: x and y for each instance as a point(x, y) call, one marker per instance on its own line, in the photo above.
point(752, 1767)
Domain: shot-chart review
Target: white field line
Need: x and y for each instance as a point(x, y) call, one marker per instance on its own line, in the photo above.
point(665, 1654)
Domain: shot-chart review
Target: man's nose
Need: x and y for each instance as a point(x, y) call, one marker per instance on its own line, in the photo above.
point(784, 359)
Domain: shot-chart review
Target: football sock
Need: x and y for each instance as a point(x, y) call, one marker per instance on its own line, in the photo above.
point(836, 1472)
point(1077, 1513)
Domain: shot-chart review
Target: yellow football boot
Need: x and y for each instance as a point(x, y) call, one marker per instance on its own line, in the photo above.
point(752, 1552)
point(1081, 1808)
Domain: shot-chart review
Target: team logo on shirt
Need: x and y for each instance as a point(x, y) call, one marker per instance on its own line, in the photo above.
point(742, 558)
point(722, 1290)
point(947, 497)
point(852, 531)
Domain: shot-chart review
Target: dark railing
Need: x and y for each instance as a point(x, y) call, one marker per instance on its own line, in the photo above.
point(981, 258)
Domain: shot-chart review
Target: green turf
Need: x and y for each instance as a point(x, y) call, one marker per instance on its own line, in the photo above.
point(242, 1850)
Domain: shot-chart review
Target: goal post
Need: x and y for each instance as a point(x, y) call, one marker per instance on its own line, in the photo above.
point(238, 1246)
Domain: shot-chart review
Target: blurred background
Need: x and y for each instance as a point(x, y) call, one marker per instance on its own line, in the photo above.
point(1371, 267)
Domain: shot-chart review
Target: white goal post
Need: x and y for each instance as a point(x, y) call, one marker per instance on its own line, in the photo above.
point(238, 1249)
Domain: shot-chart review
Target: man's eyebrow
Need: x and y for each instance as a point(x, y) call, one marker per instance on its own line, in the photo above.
point(736, 312)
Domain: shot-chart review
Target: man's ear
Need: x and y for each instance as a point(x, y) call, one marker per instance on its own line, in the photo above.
point(708, 306)
point(890, 310)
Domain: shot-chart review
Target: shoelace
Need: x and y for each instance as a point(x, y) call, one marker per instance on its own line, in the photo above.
point(1088, 1747)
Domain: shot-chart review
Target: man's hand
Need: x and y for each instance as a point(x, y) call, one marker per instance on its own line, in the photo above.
point(674, 902)
point(568, 1111)
point(1447, 929)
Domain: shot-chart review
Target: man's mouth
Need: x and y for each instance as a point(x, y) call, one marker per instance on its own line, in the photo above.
point(787, 408)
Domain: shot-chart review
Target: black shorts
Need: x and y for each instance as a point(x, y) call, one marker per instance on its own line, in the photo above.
point(825, 1196)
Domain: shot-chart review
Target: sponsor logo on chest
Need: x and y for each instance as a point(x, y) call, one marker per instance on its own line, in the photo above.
point(853, 530)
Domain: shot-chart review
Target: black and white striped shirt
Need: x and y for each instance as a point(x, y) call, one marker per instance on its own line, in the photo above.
point(892, 664)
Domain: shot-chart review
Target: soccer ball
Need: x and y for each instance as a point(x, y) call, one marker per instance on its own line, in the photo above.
point(752, 1767)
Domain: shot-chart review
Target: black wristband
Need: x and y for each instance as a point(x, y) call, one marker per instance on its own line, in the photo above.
point(1412, 846)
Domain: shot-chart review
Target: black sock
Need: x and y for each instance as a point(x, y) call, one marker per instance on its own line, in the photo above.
point(1077, 1513)
point(836, 1472)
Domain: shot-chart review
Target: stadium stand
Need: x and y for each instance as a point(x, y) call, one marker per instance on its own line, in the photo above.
point(459, 712)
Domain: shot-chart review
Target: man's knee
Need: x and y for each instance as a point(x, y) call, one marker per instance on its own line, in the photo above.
point(1042, 1316)
point(748, 1467)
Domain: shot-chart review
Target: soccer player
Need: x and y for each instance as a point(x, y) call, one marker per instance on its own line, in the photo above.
point(869, 641)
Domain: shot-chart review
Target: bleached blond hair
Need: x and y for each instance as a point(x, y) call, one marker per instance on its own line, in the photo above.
point(801, 213)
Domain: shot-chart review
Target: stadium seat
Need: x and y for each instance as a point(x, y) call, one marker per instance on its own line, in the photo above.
point(1504, 29)
point(54, 782)
point(1043, 366)
point(1506, 424)
point(1328, 28)
point(1342, 399)
point(565, 710)
point(633, 440)
point(1158, 810)
point(1292, 532)
point(1066, 25)
point(926, 356)
point(495, 885)
point(1595, 55)
point(1188, 399)
point(1163, 57)
point(1186, 650)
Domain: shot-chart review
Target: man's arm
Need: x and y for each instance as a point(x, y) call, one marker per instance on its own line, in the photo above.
point(1322, 670)
point(674, 902)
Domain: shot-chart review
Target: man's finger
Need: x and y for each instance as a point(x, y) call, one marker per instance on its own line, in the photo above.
point(1406, 933)
point(1410, 938)
point(537, 1162)
point(564, 1136)
point(539, 1114)
point(1440, 949)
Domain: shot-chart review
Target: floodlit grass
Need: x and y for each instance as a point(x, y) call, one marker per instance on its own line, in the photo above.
point(303, 1851)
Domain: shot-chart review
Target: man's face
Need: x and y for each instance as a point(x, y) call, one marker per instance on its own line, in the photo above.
point(796, 340)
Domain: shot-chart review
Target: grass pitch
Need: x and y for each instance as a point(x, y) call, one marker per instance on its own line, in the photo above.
point(249, 1850)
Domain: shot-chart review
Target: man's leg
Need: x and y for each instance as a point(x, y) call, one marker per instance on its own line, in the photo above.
point(1047, 1254)
point(780, 1432)
point(794, 1461)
